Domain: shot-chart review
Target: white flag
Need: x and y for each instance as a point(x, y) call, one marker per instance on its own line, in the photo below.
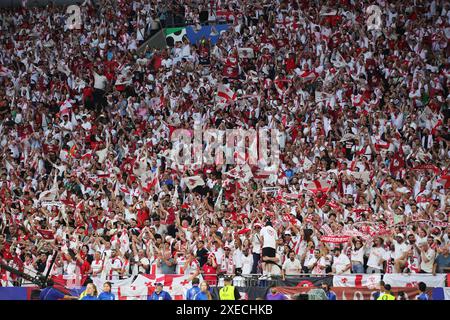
point(411, 280)
point(193, 182)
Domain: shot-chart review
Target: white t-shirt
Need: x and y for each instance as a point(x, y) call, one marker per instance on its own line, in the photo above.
point(428, 266)
point(376, 258)
point(357, 255)
point(256, 243)
point(340, 263)
point(237, 258)
point(400, 249)
point(99, 81)
point(292, 267)
point(97, 266)
point(247, 264)
point(270, 237)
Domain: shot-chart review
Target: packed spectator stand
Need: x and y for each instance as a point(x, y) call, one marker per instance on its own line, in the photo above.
point(362, 116)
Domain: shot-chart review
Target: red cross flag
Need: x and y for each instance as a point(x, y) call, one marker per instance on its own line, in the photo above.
point(357, 281)
point(193, 182)
point(318, 185)
point(225, 94)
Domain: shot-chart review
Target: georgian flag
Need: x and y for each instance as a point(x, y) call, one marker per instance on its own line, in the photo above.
point(308, 75)
point(175, 284)
point(115, 284)
point(193, 182)
point(225, 94)
point(370, 281)
point(131, 292)
point(243, 173)
point(357, 100)
point(318, 185)
point(46, 234)
point(246, 53)
point(154, 182)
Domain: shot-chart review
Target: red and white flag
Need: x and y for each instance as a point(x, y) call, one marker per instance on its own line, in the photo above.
point(225, 94)
point(131, 292)
point(193, 182)
point(115, 284)
point(243, 173)
point(318, 185)
point(357, 280)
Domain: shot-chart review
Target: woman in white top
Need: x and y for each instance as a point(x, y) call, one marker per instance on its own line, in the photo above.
point(357, 255)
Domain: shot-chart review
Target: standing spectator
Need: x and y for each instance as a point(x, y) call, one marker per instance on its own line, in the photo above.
point(442, 261)
point(427, 256)
point(269, 243)
point(167, 263)
point(291, 266)
point(377, 256)
point(357, 255)
point(201, 253)
point(209, 270)
point(247, 262)
point(341, 262)
point(115, 265)
point(256, 247)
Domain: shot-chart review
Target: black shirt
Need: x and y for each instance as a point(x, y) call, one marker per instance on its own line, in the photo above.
point(202, 256)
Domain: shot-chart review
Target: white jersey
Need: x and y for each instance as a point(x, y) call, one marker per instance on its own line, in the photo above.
point(270, 237)
point(97, 267)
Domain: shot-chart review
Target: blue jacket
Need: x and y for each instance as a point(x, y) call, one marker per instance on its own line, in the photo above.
point(190, 294)
point(422, 296)
point(106, 296)
point(201, 296)
point(331, 295)
point(89, 297)
point(163, 295)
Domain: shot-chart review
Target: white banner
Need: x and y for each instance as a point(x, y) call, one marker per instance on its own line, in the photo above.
point(115, 284)
point(370, 281)
point(412, 280)
point(132, 293)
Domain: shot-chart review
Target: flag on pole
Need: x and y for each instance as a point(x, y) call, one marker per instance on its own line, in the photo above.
point(218, 203)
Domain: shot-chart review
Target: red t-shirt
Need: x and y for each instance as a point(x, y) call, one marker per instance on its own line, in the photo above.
point(209, 273)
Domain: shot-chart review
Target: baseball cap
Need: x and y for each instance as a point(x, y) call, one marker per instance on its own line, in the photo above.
point(158, 284)
point(400, 235)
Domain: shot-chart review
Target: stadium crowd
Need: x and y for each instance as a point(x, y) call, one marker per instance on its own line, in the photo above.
point(362, 113)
